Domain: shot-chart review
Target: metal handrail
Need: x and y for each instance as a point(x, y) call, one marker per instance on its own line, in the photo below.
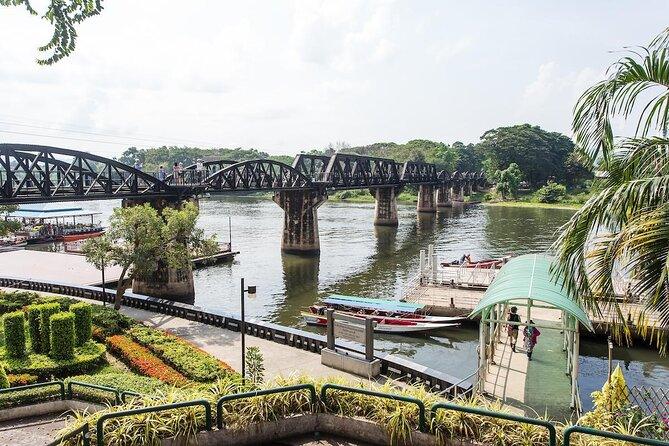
point(254, 393)
point(125, 393)
point(117, 396)
point(390, 396)
point(455, 386)
point(566, 436)
point(125, 413)
point(33, 386)
point(83, 430)
point(552, 433)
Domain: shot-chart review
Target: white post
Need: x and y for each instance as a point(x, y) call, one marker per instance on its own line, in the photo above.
point(574, 363)
point(421, 265)
point(435, 264)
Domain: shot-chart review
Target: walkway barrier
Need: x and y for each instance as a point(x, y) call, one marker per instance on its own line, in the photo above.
point(36, 385)
point(82, 430)
point(390, 396)
point(125, 393)
point(408, 370)
point(255, 393)
point(566, 436)
point(99, 427)
point(552, 432)
point(117, 395)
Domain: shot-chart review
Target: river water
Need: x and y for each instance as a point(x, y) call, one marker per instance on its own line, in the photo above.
point(358, 258)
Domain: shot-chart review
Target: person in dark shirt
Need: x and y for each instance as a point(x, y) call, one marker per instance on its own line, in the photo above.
point(512, 329)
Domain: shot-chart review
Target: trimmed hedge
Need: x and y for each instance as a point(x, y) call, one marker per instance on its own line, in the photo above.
point(83, 324)
point(22, 379)
point(45, 313)
point(34, 315)
point(7, 306)
point(4, 382)
point(14, 325)
point(61, 327)
point(86, 359)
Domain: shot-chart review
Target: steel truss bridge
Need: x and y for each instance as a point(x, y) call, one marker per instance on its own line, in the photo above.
point(38, 174)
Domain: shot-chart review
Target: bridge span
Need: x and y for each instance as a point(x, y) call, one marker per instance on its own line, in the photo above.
point(38, 174)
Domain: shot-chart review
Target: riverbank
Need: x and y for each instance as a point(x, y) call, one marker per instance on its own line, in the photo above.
point(530, 204)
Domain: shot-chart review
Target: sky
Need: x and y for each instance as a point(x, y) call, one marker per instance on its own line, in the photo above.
point(287, 76)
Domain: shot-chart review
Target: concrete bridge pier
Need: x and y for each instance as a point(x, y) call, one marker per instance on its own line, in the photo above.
point(468, 189)
point(385, 212)
point(300, 221)
point(165, 282)
point(458, 193)
point(426, 201)
point(444, 197)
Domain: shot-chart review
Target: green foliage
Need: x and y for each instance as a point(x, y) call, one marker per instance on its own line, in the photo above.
point(86, 358)
point(7, 226)
point(508, 180)
point(62, 335)
point(98, 251)
point(15, 334)
point(34, 322)
point(181, 237)
point(110, 322)
point(64, 15)
point(45, 312)
point(83, 324)
point(194, 363)
point(255, 365)
point(551, 193)
point(4, 381)
point(539, 154)
point(7, 306)
point(22, 379)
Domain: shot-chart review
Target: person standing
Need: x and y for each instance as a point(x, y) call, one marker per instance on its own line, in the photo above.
point(199, 168)
point(162, 174)
point(530, 335)
point(511, 328)
point(175, 173)
point(138, 164)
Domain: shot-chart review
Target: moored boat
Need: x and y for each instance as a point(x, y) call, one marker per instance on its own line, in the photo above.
point(386, 325)
point(377, 315)
point(81, 236)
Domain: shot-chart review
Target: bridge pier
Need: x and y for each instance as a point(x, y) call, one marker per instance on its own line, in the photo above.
point(300, 221)
point(165, 282)
point(444, 197)
point(385, 211)
point(426, 198)
point(457, 194)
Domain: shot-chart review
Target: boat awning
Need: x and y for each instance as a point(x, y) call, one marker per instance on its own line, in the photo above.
point(377, 304)
point(528, 277)
point(44, 211)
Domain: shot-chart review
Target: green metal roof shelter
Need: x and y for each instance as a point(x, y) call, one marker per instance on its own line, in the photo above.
point(526, 281)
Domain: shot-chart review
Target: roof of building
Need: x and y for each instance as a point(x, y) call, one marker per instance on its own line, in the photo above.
point(50, 210)
point(529, 277)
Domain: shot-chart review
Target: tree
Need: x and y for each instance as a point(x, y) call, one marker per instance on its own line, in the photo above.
point(7, 226)
point(539, 154)
point(98, 251)
point(508, 180)
point(626, 225)
point(576, 170)
point(64, 15)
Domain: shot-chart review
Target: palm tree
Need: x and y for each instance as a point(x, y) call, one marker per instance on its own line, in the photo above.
point(626, 225)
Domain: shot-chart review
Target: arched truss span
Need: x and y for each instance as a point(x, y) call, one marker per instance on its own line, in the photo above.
point(30, 173)
point(312, 166)
point(419, 173)
point(346, 171)
point(191, 176)
point(257, 175)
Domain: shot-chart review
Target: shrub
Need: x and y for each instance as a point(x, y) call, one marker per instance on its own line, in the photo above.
point(86, 359)
point(83, 324)
point(255, 368)
point(7, 306)
point(110, 322)
point(22, 379)
point(551, 193)
point(45, 313)
point(14, 325)
point(62, 335)
point(4, 382)
point(143, 361)
point(196, 364)
point(34, 316)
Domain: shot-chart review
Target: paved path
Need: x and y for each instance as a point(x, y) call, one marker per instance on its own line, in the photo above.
point(532, 387)
point(33, 431)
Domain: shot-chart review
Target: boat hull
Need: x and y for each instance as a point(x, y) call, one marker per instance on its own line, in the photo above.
point(410, 327)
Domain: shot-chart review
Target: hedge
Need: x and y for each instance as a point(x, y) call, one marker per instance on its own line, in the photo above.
point(196, 364)
point(22, 379)
point(83, 324)
point(14, 325)
point(86, 359)
point(34, 315)
point(61, 327)
point(7, 306)
point(4, 382)
point(45, 313)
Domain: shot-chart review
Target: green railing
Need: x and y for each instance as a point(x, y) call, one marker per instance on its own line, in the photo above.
point(36, 385)
point(99, 427)
point(82, 430)
point(566, 436)
point(125, 393)
point(254, 393)
point(117, 396)
point(552, 433)
point(390, 396)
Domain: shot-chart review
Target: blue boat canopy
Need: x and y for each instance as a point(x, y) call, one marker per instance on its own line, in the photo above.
point(376, 304)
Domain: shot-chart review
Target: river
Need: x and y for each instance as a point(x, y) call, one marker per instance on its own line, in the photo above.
point(358, 258)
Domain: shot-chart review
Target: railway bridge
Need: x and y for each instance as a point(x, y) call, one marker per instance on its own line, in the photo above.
point(38, 174)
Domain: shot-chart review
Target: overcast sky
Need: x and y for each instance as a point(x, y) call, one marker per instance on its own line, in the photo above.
point(286, 76)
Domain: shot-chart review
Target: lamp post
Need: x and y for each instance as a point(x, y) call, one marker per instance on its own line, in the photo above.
point(251, 290)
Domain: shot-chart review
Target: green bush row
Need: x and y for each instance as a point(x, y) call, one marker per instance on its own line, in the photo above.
point(83, 322)
point(61, 328)
point(45, 313)
point(86, 359)
point(15, 334)
point(183, 356)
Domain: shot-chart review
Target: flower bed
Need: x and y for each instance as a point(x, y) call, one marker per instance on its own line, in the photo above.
point(143, 361)
point(188, 359)
point(86, 358)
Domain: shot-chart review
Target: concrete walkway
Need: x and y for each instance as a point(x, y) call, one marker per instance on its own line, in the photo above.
point(531, 387)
